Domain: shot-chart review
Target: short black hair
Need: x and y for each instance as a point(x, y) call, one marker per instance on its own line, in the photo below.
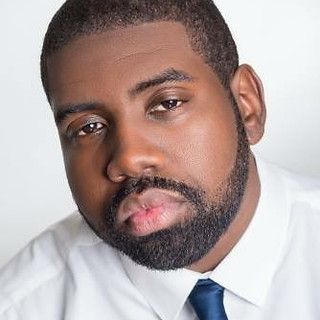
point(207, 30)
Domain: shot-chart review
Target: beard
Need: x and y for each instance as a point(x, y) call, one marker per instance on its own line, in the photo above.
point(188, 241)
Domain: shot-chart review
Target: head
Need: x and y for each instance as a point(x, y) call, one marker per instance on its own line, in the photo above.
point(155, 120)
point(207, 31)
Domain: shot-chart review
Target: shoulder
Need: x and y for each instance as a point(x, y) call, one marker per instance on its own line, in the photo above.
point(295, 199)
point(304, 207)
point(45, 265)
point(298, 188)
point(302, 198)
point(303, 194)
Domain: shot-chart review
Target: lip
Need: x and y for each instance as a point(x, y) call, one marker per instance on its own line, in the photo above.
point(150, 211)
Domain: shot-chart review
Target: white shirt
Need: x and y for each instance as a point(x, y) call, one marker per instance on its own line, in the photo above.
point(272, 273)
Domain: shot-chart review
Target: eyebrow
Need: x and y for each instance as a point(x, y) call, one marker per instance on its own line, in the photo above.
point(67, 110)
point(169, 75)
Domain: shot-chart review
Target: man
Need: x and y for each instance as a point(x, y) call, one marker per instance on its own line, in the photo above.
point(178, 219)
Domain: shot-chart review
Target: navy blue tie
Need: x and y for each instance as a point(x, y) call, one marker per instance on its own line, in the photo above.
point(207, 300)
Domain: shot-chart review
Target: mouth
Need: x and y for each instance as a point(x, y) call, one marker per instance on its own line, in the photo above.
point(150, 211)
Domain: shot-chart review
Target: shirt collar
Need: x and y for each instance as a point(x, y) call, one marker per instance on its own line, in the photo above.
point(246, 271)
point(165, 291)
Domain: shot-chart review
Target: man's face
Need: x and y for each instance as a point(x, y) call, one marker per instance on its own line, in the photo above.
point(155, 158)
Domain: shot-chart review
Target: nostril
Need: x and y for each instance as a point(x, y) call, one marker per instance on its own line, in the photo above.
point(114, 176)
point(149, 171)
point(134, 163)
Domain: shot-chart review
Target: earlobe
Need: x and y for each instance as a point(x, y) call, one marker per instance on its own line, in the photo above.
point(247, 90)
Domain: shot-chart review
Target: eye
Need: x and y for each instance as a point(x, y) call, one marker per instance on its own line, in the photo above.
point(167, 105)
point(90, 128)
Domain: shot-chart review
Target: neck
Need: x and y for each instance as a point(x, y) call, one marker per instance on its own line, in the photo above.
point(239, 225)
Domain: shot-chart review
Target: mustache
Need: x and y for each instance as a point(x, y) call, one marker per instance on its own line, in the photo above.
point(195, 195)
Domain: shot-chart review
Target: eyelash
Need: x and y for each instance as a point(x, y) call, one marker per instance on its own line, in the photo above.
point(177, 102)
point(90, 126)
point(95, 127)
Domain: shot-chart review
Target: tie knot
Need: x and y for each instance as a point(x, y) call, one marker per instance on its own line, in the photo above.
point(207, 300)
point(208, 284)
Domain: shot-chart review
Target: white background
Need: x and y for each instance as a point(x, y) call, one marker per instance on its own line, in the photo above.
point(281, 39)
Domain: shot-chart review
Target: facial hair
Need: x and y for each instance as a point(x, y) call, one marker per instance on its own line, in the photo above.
point(188, 241)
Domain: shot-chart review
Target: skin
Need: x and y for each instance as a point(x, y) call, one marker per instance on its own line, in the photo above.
point(134, 136)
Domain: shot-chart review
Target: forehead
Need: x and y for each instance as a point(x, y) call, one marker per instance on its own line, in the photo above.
point(120, 58)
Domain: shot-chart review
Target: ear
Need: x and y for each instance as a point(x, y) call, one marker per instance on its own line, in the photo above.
point(247, 90)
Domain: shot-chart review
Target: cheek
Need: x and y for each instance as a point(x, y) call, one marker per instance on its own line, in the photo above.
point(207, 149)
point(86, 180)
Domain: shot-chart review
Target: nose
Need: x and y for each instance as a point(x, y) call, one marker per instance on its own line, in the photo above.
point(135, 155)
